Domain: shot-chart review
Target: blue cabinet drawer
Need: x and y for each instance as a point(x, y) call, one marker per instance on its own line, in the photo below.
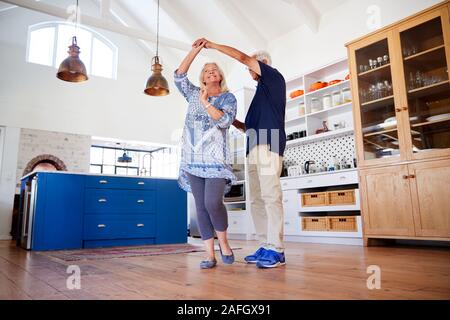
point(119, 201)
point(97, 227)
point(119, 183)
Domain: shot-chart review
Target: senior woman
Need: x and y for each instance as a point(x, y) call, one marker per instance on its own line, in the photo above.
point(205, 158)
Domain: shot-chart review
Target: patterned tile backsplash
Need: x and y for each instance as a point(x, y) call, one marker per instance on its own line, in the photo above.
point(322, 151)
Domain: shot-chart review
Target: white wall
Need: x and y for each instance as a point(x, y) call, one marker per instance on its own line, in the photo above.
point(301, 50)
point(8, 179)
point(32, 97)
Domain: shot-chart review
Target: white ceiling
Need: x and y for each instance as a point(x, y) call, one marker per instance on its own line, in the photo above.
point(246, 24)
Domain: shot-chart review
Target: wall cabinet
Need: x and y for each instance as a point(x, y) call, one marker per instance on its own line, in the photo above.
point(401, 89)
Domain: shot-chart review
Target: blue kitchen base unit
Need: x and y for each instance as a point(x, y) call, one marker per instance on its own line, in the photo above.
point(74, 211)
point(118, 243)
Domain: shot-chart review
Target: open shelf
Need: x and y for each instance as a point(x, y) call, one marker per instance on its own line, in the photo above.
point(299, 99)
point(332, 110)
point(318, 137)
point(380, 132)
point(321, 92)
point(296, 121)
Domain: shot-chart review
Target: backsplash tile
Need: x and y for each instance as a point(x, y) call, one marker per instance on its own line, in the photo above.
point(322, 151)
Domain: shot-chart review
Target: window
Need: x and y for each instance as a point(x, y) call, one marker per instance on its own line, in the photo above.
point(162, 162)
point(48, 44)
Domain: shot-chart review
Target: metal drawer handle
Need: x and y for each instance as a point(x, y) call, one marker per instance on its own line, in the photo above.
point(141, 183)
point(234, 222)
point(309, 181)
point(140, 225)
point(103, 181)
point(343, 177)
point(140, 201)
point(101, 226)
point(286, 223)
point(285, 184)
point(102, 200)
point(286, 201)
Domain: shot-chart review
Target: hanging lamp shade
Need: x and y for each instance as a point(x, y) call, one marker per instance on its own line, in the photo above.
point(72, 69)
point(124, 158)
point(157, 85)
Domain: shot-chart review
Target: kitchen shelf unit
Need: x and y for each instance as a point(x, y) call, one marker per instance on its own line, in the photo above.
point(406, 164)
point(312, 121)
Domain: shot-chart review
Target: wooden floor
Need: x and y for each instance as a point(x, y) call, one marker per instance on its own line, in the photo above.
point(313, 271)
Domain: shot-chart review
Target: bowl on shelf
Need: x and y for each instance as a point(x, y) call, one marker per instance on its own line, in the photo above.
point(318, 85)
point(296, 93)
point(334, 82)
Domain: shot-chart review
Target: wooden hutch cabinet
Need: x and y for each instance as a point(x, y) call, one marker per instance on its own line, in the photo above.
point(401, 93)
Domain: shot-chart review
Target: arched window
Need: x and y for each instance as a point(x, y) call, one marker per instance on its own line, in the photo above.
point(48, 44)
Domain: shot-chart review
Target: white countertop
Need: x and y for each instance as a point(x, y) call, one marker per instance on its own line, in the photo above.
point(320, 174)
point(96, 174)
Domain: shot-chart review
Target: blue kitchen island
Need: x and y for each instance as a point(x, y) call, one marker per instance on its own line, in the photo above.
point(61, 210)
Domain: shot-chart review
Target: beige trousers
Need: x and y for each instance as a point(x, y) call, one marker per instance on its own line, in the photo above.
point(264, 169)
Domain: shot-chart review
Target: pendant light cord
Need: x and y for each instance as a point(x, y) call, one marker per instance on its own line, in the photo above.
point(157, 31)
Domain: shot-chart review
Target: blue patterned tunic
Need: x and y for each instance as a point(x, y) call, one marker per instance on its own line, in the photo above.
point(204, 146)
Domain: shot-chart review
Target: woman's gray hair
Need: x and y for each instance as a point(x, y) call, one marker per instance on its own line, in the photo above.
point(263, 55)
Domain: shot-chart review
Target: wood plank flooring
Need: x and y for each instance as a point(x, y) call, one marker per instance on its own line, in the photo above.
point(313, 271)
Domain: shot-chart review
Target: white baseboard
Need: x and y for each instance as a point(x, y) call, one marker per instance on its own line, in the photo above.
point(5, 237)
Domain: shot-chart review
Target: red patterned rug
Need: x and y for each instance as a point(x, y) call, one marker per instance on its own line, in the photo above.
point(122, 252)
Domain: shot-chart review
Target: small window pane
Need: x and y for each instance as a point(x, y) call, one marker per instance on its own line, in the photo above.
point(121, 171)
point(109, 156)
point(41, 46)
point(96, 155)
point(108, 169)
point(102, 59)
point(95, 169)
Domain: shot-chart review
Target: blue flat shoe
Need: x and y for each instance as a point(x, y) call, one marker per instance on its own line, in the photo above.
point(208, 264)
point(227, 259)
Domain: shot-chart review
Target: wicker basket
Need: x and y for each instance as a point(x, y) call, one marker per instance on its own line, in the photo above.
point(314, 199)
point(314, 223)
point(345, 224)
point(341, 197)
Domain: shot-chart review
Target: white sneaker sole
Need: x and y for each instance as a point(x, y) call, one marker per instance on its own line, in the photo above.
point(278, 264)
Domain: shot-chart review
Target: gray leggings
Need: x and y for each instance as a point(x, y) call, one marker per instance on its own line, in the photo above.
point(211, 212)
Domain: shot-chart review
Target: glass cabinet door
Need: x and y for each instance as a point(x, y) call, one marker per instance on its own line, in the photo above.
point(425, 65)
point(376, 101)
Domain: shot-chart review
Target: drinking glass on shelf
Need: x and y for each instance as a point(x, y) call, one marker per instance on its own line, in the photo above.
point(386, 59)
point(388, 88)
point(371, 62)
point(419, 79)
point(380, 61)
point(412, 81)
point(361, 68)
point(414, 50)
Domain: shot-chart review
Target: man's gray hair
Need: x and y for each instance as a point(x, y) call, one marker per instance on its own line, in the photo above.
point(263, 55)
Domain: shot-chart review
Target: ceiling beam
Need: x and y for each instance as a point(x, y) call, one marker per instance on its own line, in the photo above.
point(105, 7)
point(308, 14)
point(100, 23)
point(246, 28)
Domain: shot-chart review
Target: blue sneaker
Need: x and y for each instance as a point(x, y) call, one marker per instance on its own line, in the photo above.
point(253, 258)
point(271, 259)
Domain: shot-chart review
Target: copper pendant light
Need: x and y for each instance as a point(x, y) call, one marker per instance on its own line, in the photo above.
point(72, 69)
point(157, 85)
